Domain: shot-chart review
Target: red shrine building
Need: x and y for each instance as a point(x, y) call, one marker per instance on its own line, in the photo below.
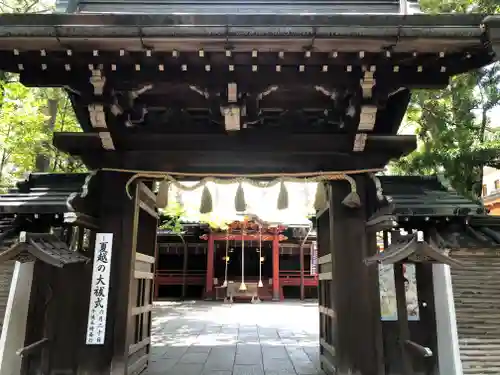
point(272, 261)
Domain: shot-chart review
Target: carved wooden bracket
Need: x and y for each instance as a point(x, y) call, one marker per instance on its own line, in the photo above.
point(493, 28)
point(414, 250)
point(42, 246)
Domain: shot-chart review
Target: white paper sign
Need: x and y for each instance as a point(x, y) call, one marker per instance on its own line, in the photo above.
point(314, 259)
point(96, 325)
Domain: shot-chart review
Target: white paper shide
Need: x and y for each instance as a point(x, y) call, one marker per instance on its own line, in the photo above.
point(96, 326)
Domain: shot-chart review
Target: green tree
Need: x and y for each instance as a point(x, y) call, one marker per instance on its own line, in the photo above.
point(64, 121)
point(29, 117)
point(26, 130)
point(21, 128)
point(457, 135)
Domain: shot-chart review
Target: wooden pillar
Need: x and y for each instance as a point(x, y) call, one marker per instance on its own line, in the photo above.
point(15, 320)
point(356, 304)
point(209, 282)
point(121, 353)
point(403, 328)
point(302, 292)
point(157, 287)
point(428, 319)
point(446, 321)
point(276, 268)
point(184, 268)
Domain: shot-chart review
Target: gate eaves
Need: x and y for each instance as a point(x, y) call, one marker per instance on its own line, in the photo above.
point(43, 246)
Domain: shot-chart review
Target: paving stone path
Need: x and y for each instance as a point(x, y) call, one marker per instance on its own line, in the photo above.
point(208, 338)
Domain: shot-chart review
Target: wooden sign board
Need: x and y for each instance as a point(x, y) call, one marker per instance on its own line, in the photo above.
point(99, 292)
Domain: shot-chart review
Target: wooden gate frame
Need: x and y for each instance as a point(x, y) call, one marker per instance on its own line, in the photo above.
point(348, 290)
point(143, 255)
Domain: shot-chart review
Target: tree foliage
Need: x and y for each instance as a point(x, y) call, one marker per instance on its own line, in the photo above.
point(457, 133)
point(171, 218)
point(25, 135)
point(26, 126)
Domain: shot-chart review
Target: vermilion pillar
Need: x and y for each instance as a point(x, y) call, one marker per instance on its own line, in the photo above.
point(276, 268)
point(210, 268)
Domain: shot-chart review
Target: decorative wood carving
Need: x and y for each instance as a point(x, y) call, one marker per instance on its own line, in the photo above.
point(248, 237)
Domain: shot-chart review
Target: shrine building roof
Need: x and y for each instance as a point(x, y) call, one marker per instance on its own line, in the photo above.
point(412, 202)
point(425, 196)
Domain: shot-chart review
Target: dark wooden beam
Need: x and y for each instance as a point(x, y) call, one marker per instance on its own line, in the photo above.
point(221, 162)
point(234, 161)
point(127, 77)
point(244, 142)
point(217, 57)
point(245, 152)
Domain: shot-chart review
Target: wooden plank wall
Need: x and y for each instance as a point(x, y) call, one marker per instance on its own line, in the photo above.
point(476, 289)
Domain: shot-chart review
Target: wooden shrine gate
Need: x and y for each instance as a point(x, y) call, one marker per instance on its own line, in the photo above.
point(134, 261)
point(80, 221)
point(211, 95)
point(432, 227)
point(350, 335)
point(142, 278)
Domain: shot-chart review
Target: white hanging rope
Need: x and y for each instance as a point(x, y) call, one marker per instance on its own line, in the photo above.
point(243, 286)
point(229, 178)
point(224, 285)
point(260, 285)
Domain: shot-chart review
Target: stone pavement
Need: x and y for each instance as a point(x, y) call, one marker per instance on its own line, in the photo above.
point(209, 338)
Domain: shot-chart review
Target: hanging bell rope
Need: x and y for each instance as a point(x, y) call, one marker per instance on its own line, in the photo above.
point(260, 284)
point(243, 286)
point(352, 199)
point(226, 260)
point(239, 200)
point(283, 197)
point(206, 204)
point(378, 186)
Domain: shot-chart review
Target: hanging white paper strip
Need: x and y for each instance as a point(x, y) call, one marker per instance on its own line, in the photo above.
point(96, 325)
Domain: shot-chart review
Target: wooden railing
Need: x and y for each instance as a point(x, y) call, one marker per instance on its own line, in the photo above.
point(177, 277)
point(292, 278)
point(170, 273)
point(287, 274)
